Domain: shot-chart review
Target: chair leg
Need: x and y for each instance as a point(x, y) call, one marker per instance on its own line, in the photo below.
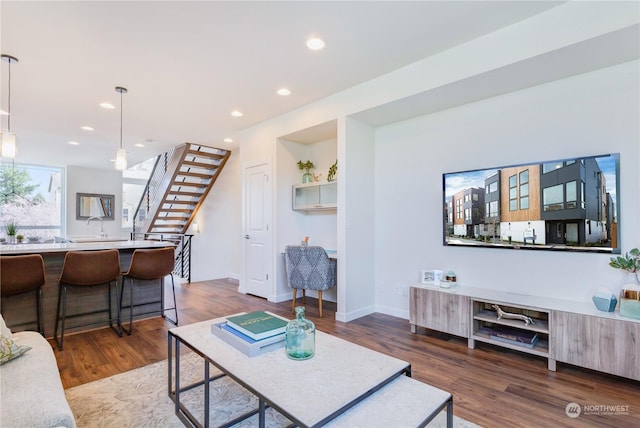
point(304, 296)
point(39, 309)
point(175, 305)
point(118, 327)
point(130, 305)
point(55, 328)
point(293, 301)
point(320, 302)
point(62, 295)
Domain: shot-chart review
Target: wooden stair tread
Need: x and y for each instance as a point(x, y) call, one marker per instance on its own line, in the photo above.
point(191, 152)
point(195, 174)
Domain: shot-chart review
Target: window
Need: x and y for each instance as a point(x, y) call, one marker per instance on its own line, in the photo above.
point(31, 196)
point(553, 198)
point(459, 208)
point(524, 190)
point(513, 193)
point(571, 194)
point(467, 214)
point(548, 167)
point(492, 209)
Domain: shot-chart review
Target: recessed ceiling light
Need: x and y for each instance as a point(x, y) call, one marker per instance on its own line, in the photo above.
point(74, 143)
point(107, 106)
point(284, 92)
point(87, 128)
point(236, 113)
point(139, 145)
point(315, 43)
point(228, 140)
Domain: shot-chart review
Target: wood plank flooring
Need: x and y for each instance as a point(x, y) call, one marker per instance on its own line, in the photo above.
point(491, 386)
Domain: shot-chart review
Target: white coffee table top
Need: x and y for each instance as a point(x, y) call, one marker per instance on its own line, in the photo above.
point(308, 390)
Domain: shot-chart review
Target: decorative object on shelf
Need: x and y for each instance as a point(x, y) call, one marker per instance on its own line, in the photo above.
point(431, 276)
point(630, 262)
point(121, 154)
point(605, 300)
point(307, 177)
point(450, 276)
point(19, 238)
point(316, 178)
point(630, 293)
point(305, 241)
point(333, 170)
point(630, 297)
point(300, 337)
point(12, 229)
point(508, 315)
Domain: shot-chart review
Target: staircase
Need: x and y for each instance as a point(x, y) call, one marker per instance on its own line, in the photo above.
point(180, 181)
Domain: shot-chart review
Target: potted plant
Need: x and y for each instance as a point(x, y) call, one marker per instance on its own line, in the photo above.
point(630, 262)
point(630, 295)
point(307, 177)
point(19, 238)
point(332, 171)
point(11, 229)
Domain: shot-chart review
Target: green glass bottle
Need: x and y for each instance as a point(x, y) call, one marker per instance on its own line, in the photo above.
point(300, 337)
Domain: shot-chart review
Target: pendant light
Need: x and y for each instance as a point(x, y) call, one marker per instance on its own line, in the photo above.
point(9, 138)
point(121, 154)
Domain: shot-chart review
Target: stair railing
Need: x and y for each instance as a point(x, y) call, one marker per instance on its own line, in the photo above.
point(182, 261)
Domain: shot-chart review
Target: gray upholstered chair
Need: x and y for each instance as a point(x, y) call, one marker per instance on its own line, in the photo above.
point(309, 268)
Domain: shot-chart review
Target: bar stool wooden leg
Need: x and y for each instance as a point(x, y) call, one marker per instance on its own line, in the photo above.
point(320, 302)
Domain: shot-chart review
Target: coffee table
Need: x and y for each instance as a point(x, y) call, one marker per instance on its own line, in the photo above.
point(310, 393)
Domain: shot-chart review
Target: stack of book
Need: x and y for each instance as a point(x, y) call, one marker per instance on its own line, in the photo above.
point(514, 336)
point(252, 333)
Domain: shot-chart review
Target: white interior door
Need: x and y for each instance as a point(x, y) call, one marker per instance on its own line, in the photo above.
point(257, 233)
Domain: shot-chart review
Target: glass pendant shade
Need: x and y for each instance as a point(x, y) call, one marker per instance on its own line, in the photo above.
point(121, 160)
point(8, 145)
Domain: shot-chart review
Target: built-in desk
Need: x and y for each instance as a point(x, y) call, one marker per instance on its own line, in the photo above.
point(21, 308)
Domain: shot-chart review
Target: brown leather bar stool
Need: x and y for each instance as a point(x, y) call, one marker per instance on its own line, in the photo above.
point(152, 264)
point(23, 274)
point(87, 269)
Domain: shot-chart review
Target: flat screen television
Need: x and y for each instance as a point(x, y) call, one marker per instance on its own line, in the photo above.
point(559, 205)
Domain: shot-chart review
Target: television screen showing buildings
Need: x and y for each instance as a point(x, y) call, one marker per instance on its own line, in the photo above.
point(567, 204)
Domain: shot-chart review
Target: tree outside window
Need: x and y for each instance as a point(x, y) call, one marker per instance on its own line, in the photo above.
point(30, 197)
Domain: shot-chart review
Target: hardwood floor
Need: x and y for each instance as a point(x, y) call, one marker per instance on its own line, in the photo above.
point(492, 387)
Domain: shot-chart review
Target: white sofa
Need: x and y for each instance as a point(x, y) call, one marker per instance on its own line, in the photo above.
point(31, 393)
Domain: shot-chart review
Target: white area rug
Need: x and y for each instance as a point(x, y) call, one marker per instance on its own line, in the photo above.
point(138, 398)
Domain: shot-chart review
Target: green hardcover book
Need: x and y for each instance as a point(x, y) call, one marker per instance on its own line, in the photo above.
point(258, 325)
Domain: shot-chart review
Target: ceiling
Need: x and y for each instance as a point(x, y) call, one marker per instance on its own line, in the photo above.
point(188, 64)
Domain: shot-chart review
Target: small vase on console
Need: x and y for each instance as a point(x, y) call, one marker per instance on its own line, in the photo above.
point(630, 294)
point(630, 297)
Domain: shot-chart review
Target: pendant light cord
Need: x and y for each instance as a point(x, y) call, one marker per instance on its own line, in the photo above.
point(120, 120)
point(9, 100)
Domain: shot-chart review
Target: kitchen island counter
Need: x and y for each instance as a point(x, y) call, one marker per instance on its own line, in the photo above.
point(18, 311)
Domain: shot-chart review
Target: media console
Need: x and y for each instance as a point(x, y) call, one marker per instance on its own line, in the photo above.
point(569, 332)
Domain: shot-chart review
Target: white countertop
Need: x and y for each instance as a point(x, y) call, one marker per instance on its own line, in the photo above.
point(77, 246)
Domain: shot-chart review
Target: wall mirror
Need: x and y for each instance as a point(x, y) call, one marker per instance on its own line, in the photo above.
point(94, 205)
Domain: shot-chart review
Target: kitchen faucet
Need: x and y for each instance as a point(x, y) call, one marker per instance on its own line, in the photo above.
point(102, 234)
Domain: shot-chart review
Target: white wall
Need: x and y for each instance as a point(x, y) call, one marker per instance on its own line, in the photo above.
point(216, 249)
point(573, 38)
point(88, 180)
point(593, 113)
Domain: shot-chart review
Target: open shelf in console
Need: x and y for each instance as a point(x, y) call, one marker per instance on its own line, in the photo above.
point(510, 330)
